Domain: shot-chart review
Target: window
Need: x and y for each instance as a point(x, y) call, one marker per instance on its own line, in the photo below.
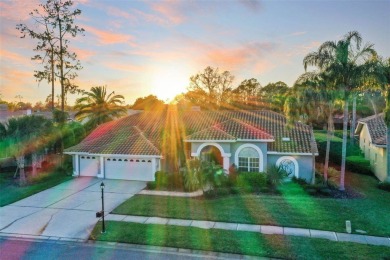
point(289, 166)
point(248, 160)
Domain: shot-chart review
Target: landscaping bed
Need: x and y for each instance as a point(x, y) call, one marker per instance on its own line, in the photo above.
point(237, 242)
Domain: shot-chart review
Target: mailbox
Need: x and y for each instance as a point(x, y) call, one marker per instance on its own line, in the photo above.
point(99, 214)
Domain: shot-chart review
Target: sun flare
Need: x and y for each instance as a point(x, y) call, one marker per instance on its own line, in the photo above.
point(168, 83)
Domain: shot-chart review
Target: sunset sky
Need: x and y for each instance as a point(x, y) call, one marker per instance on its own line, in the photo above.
point(139, 48)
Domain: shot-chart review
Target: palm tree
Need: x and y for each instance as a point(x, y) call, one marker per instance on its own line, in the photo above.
point(97, 107)
point(318, 95)
point(343, 62)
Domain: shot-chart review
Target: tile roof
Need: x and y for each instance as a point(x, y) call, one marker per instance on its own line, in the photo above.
point(232, 129)
point(154, 128)
point(376, 127)
point(107, 139)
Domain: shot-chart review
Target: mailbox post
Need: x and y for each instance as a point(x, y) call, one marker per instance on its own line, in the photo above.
point(102, 188)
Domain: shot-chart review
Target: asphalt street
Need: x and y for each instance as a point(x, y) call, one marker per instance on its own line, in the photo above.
point(15, 248)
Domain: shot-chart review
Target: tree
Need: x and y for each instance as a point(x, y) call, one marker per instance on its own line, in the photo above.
point(246, 94)
point(150, 102)
point(28, 135)
point(55, 20)
point(342, 61)
point(97, 107)
point(317, 96)
point(273, 95)
point(210, 88)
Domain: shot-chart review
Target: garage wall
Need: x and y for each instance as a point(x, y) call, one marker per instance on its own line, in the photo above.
point(141, 169)
point(89, 166)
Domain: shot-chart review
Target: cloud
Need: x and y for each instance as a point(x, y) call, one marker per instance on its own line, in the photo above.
point(171, 10)
point(252, 56)
point(253, 5)
point(8, 56)
point(123, 66)
point(17, 10)
point(106, 37)
point(83, 54)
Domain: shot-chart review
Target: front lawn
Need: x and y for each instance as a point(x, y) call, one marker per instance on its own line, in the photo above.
point(237, 242)
point(11, 191)
point(293, 208)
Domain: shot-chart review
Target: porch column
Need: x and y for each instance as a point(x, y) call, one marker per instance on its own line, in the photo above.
point(102, 174)
point(76, 170)
point(226, 163)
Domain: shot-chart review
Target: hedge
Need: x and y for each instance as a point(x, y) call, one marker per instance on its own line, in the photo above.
point(355, 160)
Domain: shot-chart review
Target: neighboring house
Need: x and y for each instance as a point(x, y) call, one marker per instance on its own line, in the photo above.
point(133, 147)
point(372, 138)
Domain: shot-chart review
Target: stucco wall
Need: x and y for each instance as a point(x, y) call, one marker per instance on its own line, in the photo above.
point(305, 165)
point(376, 155)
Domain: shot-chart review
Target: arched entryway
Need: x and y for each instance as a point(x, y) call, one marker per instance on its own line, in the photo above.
point(224, 157)
point(212, 154)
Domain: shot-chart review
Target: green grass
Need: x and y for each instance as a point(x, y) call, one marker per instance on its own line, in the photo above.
point(11, 191)
point(237, 242)
point(294, 208)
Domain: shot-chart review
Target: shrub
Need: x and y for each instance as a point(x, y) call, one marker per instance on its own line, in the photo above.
point(358, 164)
point(384, 186)
point(191, 180)
point(251, 181)
point(161, 179)
point(275, 175)
point(151, 185)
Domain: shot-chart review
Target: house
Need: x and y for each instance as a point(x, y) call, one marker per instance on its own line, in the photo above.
point(372, 132)
point(136, 146)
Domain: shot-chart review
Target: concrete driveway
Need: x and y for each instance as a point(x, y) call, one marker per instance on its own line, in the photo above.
point(67, 210)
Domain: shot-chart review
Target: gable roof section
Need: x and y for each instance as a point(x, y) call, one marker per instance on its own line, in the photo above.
point(231, 130)
point(377, 128)
point(108, 140)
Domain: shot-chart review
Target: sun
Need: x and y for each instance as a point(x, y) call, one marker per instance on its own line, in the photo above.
point(168, 83)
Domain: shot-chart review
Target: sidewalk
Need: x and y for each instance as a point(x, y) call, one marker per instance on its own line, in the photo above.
point(269, 230)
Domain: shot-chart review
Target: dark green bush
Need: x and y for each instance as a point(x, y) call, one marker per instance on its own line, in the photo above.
point(162, 179)
point(384, 186)
point(251, 181)
point(151, 185)
point(358, 164)
point(354, 162)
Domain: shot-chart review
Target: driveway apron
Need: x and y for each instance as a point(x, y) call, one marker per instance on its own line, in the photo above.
point(67, 210)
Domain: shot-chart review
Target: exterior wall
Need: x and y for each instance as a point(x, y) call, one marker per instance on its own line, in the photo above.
point(376, 155)
point(231, 149)
point(305, 164)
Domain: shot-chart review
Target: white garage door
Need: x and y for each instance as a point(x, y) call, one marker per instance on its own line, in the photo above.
point(129, 169)
point(89, 165)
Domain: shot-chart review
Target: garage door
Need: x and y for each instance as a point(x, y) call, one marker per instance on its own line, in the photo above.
point(89, 165)
point(129, 169)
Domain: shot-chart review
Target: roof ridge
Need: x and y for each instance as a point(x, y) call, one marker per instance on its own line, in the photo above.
point(257, 129)
point(369, 118)
point(147, 140)
point(213, 127)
